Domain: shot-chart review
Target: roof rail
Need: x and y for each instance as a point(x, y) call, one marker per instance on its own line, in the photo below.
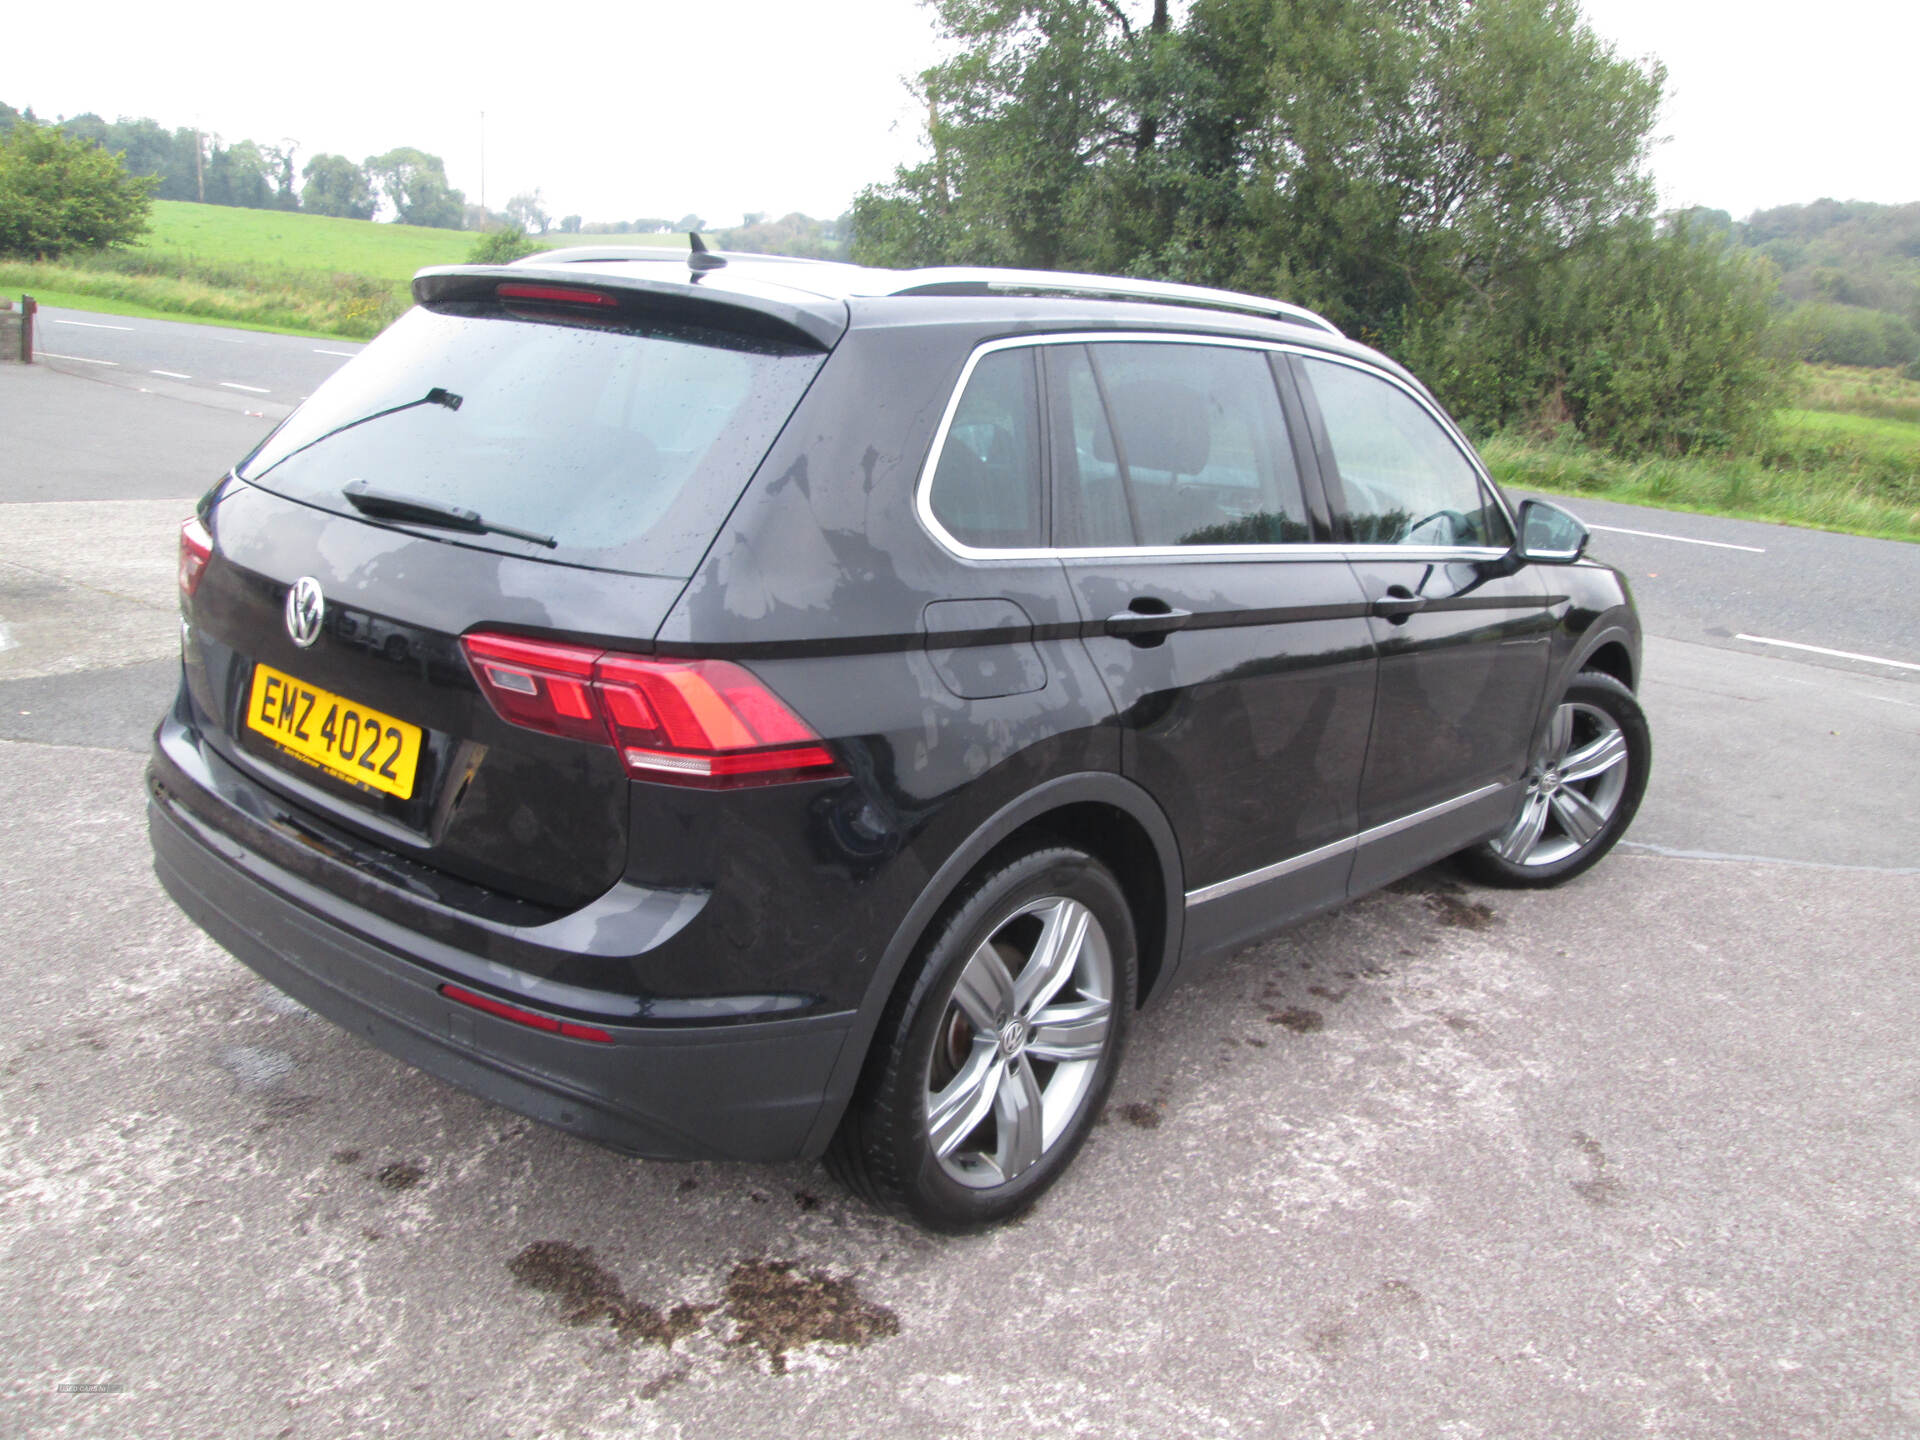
point(965, 281)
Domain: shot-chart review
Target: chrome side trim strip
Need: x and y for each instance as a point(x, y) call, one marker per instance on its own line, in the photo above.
point(1271, 872)
point(1339, 847)
point(1432, 812)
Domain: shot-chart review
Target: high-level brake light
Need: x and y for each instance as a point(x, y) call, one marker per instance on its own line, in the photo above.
point(708, 723)
point(554, 294)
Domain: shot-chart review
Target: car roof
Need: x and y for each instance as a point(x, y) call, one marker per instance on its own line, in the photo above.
point(834, 280)
point(818, 301)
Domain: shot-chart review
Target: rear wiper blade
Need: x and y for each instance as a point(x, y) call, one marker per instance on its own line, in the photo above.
point(438, 395)
point(385, 505)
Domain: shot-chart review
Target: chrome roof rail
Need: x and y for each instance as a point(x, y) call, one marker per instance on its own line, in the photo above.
point(967, 281)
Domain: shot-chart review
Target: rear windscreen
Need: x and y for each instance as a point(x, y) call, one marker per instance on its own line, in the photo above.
point(625, 444)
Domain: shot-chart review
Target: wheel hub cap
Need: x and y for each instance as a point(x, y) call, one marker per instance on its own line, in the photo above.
point(1013, 1037)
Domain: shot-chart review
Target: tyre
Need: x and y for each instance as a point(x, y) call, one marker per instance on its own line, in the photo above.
point(1584, 782)
point(993, 1060)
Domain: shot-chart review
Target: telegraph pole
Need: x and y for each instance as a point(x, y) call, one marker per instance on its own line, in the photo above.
point(483, 163)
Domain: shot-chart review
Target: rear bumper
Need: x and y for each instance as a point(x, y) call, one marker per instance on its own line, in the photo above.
point(746, 1090)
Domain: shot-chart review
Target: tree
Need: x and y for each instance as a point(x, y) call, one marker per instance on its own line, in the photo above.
point(1424, 172)
point(415, 184)
point(280, 160)
point(570, 225)
point(528, 212)
point(239, 174)
point(59, 194)
point(686, 224)
point(794, 234)
point(336, 186)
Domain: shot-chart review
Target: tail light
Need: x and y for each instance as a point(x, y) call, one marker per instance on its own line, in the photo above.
point(196, 548)
point(687, 722)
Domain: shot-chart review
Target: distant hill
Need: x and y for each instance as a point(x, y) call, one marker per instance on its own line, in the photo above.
point(1849, 276)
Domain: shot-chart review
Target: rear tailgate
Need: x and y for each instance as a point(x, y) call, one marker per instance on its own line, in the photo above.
point(599, 453)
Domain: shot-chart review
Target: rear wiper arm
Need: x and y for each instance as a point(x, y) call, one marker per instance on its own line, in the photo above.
point(438, 395)
point(385, 505)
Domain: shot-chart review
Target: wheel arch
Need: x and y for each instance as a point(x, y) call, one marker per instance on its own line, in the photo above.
point(1610, 654)
point(1105, 814)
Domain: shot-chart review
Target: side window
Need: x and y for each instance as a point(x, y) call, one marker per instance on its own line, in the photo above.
point(986, 491)
point(1170, 444)
point(1404, 478)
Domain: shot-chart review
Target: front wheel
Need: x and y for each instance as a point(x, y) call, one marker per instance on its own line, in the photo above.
point(992, 1064)
point(1584, 782)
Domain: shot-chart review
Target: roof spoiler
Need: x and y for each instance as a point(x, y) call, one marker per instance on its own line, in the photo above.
point(774, 317)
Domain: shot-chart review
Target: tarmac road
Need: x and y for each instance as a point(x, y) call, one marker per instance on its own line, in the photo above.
point(1637, 1155)
point(264, 372)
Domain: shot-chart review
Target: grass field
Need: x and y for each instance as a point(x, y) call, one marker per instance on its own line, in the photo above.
point(1827, 469)
point(264, 269)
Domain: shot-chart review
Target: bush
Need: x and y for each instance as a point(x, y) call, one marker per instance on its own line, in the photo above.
point(1636, 340)
point(59, 194)
point(1826, 334)
point(501, 247)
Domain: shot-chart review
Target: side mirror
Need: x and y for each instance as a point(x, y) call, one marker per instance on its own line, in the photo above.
point(1549, 535)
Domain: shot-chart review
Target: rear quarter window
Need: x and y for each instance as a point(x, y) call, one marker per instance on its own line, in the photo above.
point(986, 491)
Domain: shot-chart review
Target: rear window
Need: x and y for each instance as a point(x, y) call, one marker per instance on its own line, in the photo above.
point(626, 444)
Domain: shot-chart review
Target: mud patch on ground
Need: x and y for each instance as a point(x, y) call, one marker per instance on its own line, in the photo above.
point(1451, 910)
point(778, 1307)
point(1138, 1112)
point(1600, 1187)
point(1298, 1019)
point(588, 1292)
point(400, 1175)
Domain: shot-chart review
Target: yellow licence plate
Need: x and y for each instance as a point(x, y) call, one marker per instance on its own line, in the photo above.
point(341, 736)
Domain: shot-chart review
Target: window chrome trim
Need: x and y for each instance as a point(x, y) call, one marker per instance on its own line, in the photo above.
point(923, 488)
point(1350, 845)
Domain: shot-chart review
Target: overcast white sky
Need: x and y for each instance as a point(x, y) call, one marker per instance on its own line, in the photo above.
point(721, 106)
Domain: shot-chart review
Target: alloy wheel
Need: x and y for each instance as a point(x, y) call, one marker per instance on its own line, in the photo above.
point(1020, 1042)
point(1574, 784)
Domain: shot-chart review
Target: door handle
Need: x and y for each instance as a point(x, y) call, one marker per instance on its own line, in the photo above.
point(1131, 623)
point(1397, 604)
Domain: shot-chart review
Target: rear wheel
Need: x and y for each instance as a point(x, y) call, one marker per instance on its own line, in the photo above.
point(1584, 782)
point(990, 1066)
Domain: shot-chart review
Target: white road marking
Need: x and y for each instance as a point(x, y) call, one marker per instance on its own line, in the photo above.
point(51, 355)
point(7, 642)
point(170, 374)
point(1823, 650)
point(90, 325)
point(343, 354)
point(254, 389)
point(1667, 852)
point(1683, 539)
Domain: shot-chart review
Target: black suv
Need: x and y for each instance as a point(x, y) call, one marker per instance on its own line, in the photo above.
point(728, 706)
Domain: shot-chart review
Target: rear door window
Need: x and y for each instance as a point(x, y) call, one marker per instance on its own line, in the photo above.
point(627, 444)
point(1158, 445)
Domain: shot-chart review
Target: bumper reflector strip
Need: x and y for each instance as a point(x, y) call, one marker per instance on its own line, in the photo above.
point(532, 1018)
